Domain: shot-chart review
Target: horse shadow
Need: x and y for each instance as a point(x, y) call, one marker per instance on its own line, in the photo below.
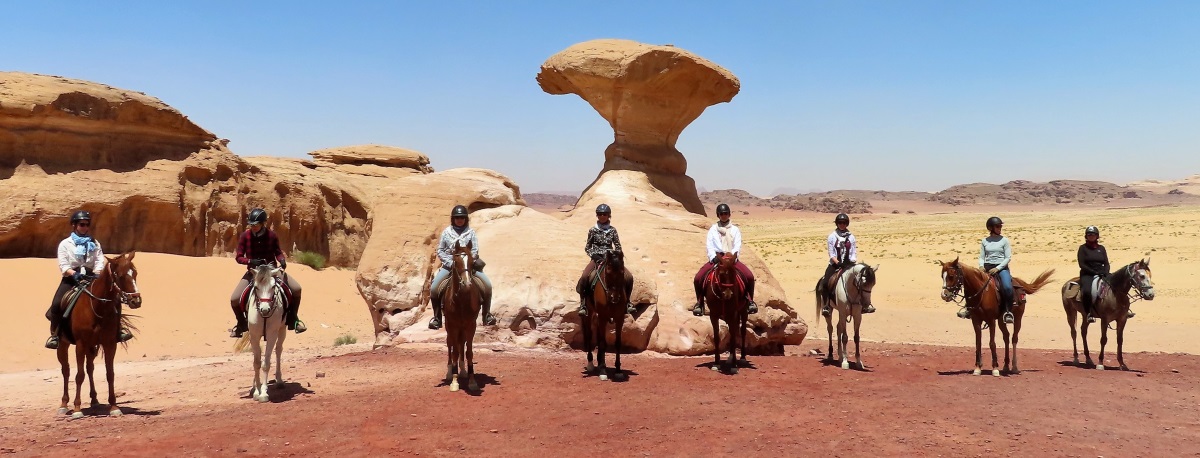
point(101, 410)
point(838, 363)
point(1084, 365)
point(625, 376)
point(280, 392)
point(747, 364)
point(482, 379)
point(987, 372)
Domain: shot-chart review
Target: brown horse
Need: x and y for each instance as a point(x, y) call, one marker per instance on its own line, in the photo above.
point(94, 324)
point(982, 297)
point(461, 302)
point(607, 305)
point(1112, 306)
point(726, 298)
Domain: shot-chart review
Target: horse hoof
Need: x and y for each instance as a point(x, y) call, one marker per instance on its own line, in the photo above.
point(77, 415)
point(845, 364)
point(603, 377)
point(454, 386)
point(995, 372)
point(262, 398)
point(115, 412)
point(715, 368)
point(63, 411)
point(733, 370)
point(1099, 367)
point(976, 372)
point(1124, 367)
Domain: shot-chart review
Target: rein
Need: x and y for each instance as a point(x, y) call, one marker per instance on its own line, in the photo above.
point(958, 292)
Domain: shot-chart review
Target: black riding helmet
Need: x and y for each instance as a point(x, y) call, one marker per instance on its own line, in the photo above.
point(1091, 230)
point(722, 209)
point(256, 216)
point(842, 218)
point(81, 215)
point(603, 209)
point(459, 211)
point(993, 222)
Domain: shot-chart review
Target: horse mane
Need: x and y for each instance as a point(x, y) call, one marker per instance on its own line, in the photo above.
point(1036, 285)
point(975, 275)
point(869, 276)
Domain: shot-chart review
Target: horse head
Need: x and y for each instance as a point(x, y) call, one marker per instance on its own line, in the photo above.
point(864, 281)
point(462, 262)
point(952, 280)
point(1139, 275)
point(614, 276)
point(266, 281)
point(726, 274)
point(124, 279)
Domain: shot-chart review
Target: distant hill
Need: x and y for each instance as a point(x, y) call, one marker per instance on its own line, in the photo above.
point(1028, 192)
point(826, 202)
point(547, 200)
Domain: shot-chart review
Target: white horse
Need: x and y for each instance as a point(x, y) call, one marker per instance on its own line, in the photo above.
point(264, 318)
point(851, 292)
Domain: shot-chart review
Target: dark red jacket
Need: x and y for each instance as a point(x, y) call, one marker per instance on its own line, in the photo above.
point(264, 246)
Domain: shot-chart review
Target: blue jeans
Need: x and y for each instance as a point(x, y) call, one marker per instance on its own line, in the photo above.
point(1006, 289)
point(442, 273)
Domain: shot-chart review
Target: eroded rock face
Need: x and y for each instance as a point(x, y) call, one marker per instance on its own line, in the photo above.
point(648, 94)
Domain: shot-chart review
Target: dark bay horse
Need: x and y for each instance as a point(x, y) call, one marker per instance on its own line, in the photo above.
point(607, 305)
point(461, 301)
point(94, 324)
point(726, 297)
point(980, 291)
point(1111, 306)
point(852, 292)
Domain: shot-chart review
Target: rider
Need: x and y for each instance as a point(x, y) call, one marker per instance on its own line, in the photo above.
point(256, 246)
point(79, 258)
point(459, 229)
point(995, 252)
point(1093, 262)
point(843, 254)
point(601, 238)
point(715, 250)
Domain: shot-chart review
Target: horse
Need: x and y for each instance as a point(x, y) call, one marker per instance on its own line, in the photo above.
point(981, 294)
point(852, 292)
point(1111, 305)
point(726, 297)
point(94, 324)
point(607, 305)
point(265, 321)
point(461, 301)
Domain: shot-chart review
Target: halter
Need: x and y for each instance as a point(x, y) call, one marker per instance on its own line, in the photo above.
point(123, 297)
point(957, 293)
point(716, 276)
point(276, 293)
point(1135, 293)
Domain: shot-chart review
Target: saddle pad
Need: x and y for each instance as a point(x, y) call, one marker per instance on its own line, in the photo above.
point(711, 279)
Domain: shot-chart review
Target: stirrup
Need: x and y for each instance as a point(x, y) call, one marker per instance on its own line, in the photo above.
point(751, 308)
point(1008, 317)
point(827, 311)
point(698, 309)
point(868, 308)
point(435, 323)
point(124, 335)
point(1129, 314)
point(964, 313)
point(1090, 318)
point(630, 309)
point(489, 320)
point(52, 343)
point(300, 326)
point(235, 333)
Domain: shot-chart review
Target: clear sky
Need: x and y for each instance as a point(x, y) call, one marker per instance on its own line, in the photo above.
point(893, 95)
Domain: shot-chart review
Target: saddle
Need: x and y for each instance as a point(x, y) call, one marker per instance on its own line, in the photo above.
point(711, 279)
point(67, 306)
point(1075, 290)
point(440, 288)
point(1018, 292)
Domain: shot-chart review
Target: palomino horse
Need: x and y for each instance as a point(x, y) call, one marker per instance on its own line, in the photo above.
point(982, 297)
point(852, 292)
point(95, 323)
point(265, 320)
point(726, 298)
point(607, 305)
point(1111, 306)
point(461, 302)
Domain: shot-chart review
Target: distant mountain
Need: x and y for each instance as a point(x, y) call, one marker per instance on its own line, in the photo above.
point(1028, 192)
point(547, 200)
point(826, 202)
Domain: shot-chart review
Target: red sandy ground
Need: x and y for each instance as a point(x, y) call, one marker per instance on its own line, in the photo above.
point(914, 400)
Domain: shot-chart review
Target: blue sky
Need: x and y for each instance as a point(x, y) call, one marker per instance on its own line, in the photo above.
point(886, 95)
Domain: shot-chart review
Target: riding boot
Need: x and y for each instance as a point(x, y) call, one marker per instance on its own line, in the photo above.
point(240, 327)
point(488, 319)
point(868, 308)
point(1129, 314)
point(55, 319)
point(629, 308)
point(1008, 314)
point(751, 307)
point(964, 312)
point(124, 335)
point(1087, 311)
point(436, 321)
point(583, 311)
point(698, 310)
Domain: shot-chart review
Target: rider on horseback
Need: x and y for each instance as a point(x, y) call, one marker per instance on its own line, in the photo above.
point(715, 251)
point(459, 229)
point(995, 252)
point(80, 259)
point(1093, 262)
point(256, 246)
point(601, 238)
point(843, 254)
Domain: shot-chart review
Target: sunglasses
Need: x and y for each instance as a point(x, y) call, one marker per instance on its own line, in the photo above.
point(84, 224)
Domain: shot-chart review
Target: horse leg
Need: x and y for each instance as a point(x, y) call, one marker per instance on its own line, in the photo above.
point(733, 343)
point(259, 390)
point(110, 354)
point(456, 351)
point(91, 367)
point(80, 356)
point(602, 344)
point(617, 374)
point(1072, 315)
point(472, 386)
point(744, 321)
point(63, 348)
point(282, 334)
point(587, 323)
point(1005, 336)
point(992, 345)
point(843, 340)
point(449, 359)
point(1015, 334)
point(1103, 342)
point(1087, 353)
point(829, 331)
point(857, 354)
point(1121, 343)
point(978, 346)
point(713, 316)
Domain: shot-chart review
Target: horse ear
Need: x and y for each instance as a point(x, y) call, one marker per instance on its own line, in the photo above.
point(955, 261)
point(130, 255)
point(1146, 262)
point(876, 268)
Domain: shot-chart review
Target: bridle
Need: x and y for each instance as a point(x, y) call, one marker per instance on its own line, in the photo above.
point(956, 293)
point(860, 284)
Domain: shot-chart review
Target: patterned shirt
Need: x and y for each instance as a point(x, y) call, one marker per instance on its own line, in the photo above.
point(600, 240)
point(450, 239)
point(265, 247)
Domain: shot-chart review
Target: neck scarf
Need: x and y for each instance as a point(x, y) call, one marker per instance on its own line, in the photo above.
point(84, 244)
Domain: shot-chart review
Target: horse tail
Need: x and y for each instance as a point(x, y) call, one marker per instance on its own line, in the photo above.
point(127, 323)
point(242, 343)
point(819, 297)
point(1037, 284)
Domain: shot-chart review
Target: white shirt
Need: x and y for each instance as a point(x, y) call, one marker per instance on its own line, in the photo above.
point(834, 240)
point(714, 239)
point(67, 260)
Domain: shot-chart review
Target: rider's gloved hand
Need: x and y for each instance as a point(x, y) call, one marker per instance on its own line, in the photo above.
point(597, 258)
point(994, 271)
point(255, 263)
point(78, 277)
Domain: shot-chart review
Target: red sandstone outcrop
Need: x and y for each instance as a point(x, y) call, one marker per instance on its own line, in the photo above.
point(648, 94)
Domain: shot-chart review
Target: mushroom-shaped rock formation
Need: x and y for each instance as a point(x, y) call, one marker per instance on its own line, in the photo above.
point(648, 94)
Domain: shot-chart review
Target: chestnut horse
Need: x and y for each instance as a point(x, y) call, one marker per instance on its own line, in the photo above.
point(981, 293)
point(265, 312)
point(726, 297)
point(461, 301)
point(606, 305)
point(95, 323)
point(1111, 306)
point(851, 293)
